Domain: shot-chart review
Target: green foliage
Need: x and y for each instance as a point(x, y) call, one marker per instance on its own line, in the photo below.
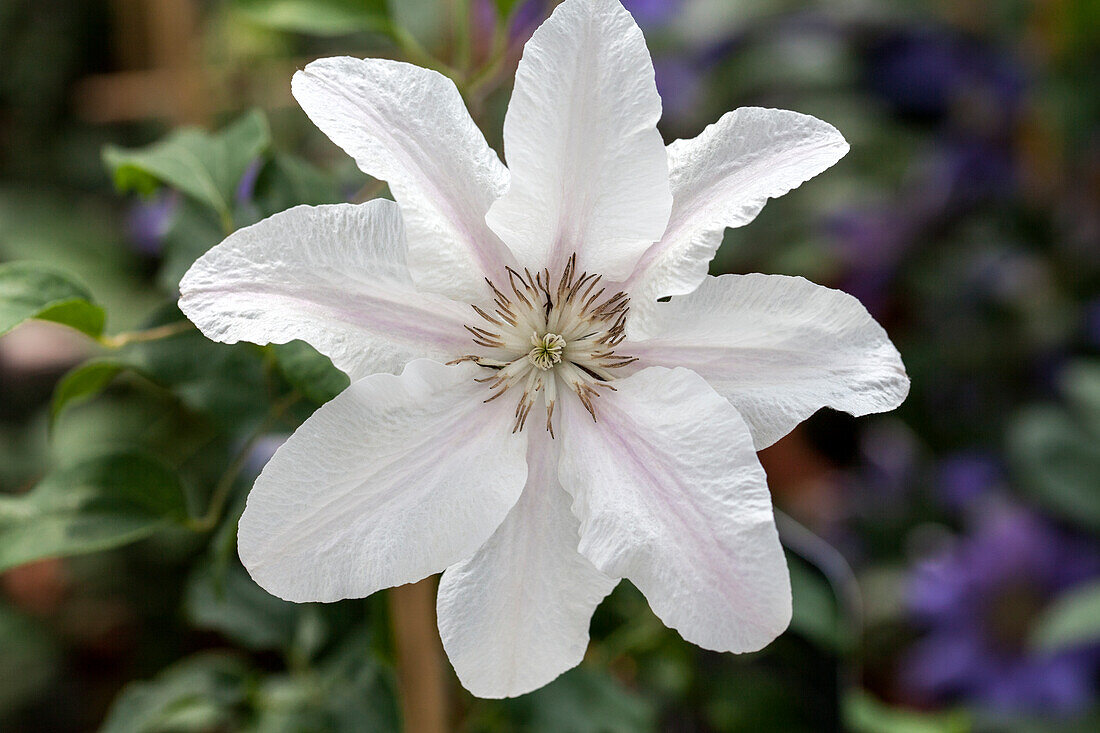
point(200, 693)
point(194, 229)
point(346, 693)
point(82, 383)
point(814, 613)
point(33, 290)
point(206, 167)
point(310, 372)
point(1081, 385)
point(317, 17)
point(29, 661)
point(96, 504)
point(224, 383)
point(582, 700)
point(243, 612)
point(1073, 620)
point(287, 180)
point(1057, 451)
point(506, 7)
point(864, 714)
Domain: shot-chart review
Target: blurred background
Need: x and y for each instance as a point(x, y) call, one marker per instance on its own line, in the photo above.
point(944, 557)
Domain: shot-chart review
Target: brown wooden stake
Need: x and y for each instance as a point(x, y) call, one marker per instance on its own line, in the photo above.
point(421, 669)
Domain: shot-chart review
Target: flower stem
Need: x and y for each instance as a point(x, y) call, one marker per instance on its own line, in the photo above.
point(842, 581)
point(416, 53)
point(420, 666)
point(152, 334)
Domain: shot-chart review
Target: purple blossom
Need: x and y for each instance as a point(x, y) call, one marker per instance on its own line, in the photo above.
point(148, 220)
point(935, 73)
point(978, 601)
point(966, 478)
point(871, 242)
point(247, 185)
point(653, 13)
point(261, 452)
point(679, 83)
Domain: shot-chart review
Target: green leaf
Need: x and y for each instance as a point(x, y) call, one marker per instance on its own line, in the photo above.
point(193, 230)
point(240, 610)
point(1081, 385)
point(1058, 461)
point(287, 180)
point(815, 613)
point(30, 662)
point(33, 290)
point(583, 700)
point(317, 17)
point(310, 372)
point(206, 167)
point(1072, 620)
point(506, 7)
point(97, 504)
point(223, 382)
point(863, 713)
point(200, 693)
point(82, 383)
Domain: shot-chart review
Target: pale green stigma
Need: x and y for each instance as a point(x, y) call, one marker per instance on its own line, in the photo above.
point(547, 350)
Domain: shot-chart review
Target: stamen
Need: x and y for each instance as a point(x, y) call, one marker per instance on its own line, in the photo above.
point(542, 334)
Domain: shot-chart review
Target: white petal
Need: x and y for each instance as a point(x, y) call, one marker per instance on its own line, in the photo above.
point(397, 478)
point(333, 276)
point(408, 126)
point(671, 496)
point(723, 178)
point(515, 615)
point(589, 171)
point(779, 348)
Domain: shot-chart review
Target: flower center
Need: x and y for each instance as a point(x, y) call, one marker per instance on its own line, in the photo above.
point(547, 350)
point(539, 335)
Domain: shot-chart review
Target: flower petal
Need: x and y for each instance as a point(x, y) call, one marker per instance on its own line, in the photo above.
point(589, 171)
point(397, 478)
point(671, 496)
point(723, 178)
point(333, 276)
point(408, 126)
point(515, 615)
point(778, 348)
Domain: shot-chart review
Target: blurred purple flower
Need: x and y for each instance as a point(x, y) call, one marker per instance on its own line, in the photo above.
point(261, 452)
point(652, 13)
point(679, 83)
point(978, 601)
point(966, 169)
point(934, 72)
point(967, 477)
point(871, 242)
point(527, 17)
point(148, 220)
point(648, 14)
point(246, 187)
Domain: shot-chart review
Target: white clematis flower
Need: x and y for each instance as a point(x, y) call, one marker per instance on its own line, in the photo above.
point(524, 415)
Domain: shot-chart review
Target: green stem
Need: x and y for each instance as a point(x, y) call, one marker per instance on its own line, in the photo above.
point(841, 579)
point(222, 489)
point(416, 53)
point(463, 25)
point(151, 334)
